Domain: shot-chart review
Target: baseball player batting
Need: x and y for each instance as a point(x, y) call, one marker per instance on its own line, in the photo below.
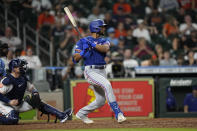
point(12, 90)
point(93, 50)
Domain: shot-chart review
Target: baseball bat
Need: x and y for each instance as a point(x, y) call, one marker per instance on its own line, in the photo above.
point(72, 20)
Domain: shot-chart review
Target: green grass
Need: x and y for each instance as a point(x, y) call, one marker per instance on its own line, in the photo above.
point(29, 115)
point(127, 129)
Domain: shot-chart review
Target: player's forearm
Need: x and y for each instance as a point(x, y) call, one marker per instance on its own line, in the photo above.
point(31, 88)
point(77, 57)
point(102, 48)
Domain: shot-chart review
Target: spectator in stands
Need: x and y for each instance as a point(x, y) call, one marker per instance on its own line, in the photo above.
point(8, 58)
point(150, 7)
point(126, 8)
point(108, 20)
point(45, 22)
point(38, 5)
point(59, 18)
point(71, 71)
point(121, 45)
point(32, 60)
point(13, 41)
point(167, 5)
point(129, 22)
point(180, 60)
point(188, 26)
point(129, 63)
point(96, 14)
point(120, 30)
point(187, 4)
point(138, 9)
point(130, 40)
point(119, 16)
point(159, 51)
point(66, 45)
point(189, 59)
point(111, 37)
point(141, 31)
point(57, 34)
point(190, 101)
point(142, 50)
point(171, 27)
point(180, 15)
point(167, 61)
point(175, 51)
point(156, 19)
point(102, 5)
point(191, 42)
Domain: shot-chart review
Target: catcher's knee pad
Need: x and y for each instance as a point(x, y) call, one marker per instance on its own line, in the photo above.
point(11, 119)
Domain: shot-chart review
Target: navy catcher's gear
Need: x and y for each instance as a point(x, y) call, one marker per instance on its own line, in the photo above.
point(33, 100)
point(18, 63)
point(95, 25)
point(11, 119)
point(49, 110)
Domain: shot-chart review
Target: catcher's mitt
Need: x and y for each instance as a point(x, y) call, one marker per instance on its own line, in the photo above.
point(34, 100)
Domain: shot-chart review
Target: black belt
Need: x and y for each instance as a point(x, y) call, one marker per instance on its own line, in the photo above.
point(97, 66)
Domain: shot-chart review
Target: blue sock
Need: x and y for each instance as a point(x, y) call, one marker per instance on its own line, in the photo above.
point(115, 108)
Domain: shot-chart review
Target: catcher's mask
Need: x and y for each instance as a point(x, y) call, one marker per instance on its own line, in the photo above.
point(21, 63)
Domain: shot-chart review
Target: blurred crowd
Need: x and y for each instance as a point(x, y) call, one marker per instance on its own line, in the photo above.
point(141, 32)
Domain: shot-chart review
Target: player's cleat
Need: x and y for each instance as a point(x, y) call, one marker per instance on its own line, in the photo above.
point(63, 119)
point(67, 113)
point(121, 118)
point(85, 119)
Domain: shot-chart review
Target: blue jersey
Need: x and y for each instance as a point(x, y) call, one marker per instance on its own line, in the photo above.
point(95, 57)
point(191, 102)
point(19, 86)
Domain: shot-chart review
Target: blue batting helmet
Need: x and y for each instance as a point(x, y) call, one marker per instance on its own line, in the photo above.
point(21, 63)
point(95, 25)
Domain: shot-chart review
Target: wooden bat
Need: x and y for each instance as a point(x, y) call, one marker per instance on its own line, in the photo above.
point(72, 20)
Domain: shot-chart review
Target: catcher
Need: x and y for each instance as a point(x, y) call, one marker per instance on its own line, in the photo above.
point(12, 90)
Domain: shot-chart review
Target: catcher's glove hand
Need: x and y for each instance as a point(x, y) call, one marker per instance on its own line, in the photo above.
point(35, 100)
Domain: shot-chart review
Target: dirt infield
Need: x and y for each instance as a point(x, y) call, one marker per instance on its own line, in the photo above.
point(131, 123)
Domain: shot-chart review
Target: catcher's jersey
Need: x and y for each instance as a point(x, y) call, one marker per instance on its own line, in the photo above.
point(95, 57)
point(14, 88)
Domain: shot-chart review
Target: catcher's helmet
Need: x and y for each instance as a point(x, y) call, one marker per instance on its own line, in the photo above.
point(21, 63)
point(95, 25)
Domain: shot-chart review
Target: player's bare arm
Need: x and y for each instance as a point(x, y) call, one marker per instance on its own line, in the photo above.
point(77, 56)
point(102, 48)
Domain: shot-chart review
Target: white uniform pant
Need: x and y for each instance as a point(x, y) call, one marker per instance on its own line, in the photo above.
point(5, 108)
point(102, 89)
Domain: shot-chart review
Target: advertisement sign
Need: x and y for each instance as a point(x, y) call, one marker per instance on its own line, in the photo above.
point(134, 96)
